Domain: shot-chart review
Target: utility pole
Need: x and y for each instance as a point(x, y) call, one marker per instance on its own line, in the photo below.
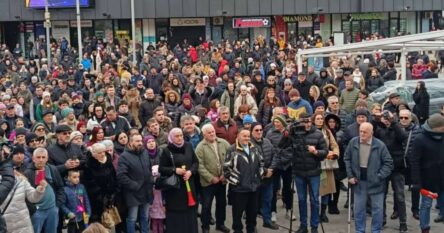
point(79, 30)
point(48, 25)
point(133, 28)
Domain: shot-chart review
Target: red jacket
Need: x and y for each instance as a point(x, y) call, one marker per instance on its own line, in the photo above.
point(229, 134)
point(418, 70)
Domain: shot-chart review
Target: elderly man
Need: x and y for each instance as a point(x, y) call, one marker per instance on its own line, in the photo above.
point(45, 213)
point(368, 164)
point(243, 169)
point(427, 167)
point(334, 108)
point(225, 127)
point(211, 153)
point(63, 154)
point(268, 152)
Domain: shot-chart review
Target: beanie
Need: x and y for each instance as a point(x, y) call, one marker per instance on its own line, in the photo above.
point(99, 93)
point(18, 149)
point(294, 92)
point(186, 96)
point(75, 134)
point(362, 112)
point(281, 119)
point(436, 121)
point(30, 137)
point(248, 119)
point(66, 112)
point(20, 131)
point(318, 104)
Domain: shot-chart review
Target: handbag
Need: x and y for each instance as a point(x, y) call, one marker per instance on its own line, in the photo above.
point(111, 217)
point(168, 182)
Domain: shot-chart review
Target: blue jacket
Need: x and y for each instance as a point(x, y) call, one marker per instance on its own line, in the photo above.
point(74, 193)
point(380, 164)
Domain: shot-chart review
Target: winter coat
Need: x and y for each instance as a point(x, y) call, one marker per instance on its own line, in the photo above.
point(303, 88)
point(183, 156)
point(269, 154)
point(112, 128)
point(421, 108)
point(146, 110)
point(17, 215)
point(76, 196)
point(229, 133)
point(249, 101)
point(101, 183)
point(394, 138)
point(348, 99)
point(7, 179)
point(247, 169)
point(202, 99)
point(374, 83)
point(380, 164)
point(135, 178)
point(427, 160)
point(266, 111)
point(58, 154)
point(304, 163)
point(296, 108)
point(210, 163)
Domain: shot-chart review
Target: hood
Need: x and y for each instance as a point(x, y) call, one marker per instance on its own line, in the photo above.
point(330, 85)
point(438, 136)
point(334, 117)
point(167, 100)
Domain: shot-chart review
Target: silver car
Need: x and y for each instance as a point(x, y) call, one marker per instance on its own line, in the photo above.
point(435, 88)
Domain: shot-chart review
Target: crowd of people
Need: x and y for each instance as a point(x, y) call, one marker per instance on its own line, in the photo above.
point(189, 123)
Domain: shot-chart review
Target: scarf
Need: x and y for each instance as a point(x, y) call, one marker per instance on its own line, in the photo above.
point(172, 134)
point(152, 153)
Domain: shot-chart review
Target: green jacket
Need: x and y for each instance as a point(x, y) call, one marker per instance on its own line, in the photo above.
point(209, 165)
point(348, 99)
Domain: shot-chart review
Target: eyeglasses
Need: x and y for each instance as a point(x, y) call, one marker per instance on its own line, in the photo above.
point(258, 130)
point(403, 118)
point(40, 129)
point(66, 133)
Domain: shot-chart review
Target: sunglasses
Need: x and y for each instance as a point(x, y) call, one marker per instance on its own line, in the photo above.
point(66, 133)
point(403, 118)
point(40, 129)
point(258, 130)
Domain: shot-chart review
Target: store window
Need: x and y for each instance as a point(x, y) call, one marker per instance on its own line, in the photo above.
point(162, 29)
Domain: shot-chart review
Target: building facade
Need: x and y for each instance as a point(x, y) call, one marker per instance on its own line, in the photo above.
point(21, 21)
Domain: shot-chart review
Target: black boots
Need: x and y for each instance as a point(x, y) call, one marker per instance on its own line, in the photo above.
point(323, 216)
point(333, 208)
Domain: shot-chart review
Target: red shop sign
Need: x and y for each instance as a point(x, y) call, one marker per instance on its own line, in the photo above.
point(251, 22)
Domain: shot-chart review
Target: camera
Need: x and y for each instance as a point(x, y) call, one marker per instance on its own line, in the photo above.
point(386, 114)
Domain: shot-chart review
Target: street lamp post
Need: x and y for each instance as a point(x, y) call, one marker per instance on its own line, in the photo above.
point(133, 28)
point(48, 24)
point(79, 30)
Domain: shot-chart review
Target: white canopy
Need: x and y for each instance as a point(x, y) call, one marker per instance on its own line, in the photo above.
point(403, 44)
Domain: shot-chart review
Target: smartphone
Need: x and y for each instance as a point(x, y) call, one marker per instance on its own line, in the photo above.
point(39, 177)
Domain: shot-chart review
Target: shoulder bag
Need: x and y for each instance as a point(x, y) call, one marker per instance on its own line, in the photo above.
point(168, 182)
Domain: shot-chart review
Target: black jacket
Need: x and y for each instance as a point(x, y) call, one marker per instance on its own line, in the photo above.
point(56, 182)
point(146, 110)
point(421, 108)
point(304, 163)
point(183, 156)
point(111, 128)
point(427, 164)
point(59, 154)
point(394, 138)
point(135, 178)
point(7, 180)
point(269, 154)
point(247, 169)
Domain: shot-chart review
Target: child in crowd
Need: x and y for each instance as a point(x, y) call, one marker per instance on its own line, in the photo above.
point(76, 207)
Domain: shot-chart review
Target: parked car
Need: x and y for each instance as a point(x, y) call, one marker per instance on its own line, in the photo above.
point(435, 88)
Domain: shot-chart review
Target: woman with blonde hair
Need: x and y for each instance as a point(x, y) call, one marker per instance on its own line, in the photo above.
point(328, 165)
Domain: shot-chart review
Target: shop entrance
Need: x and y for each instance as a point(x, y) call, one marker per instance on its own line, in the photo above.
point(192, 34)
point(11, 38)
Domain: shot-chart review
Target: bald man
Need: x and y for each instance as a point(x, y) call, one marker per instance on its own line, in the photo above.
point(368, 164)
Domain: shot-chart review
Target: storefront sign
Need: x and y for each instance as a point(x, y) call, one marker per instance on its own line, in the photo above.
point(187, 22)
point(367, 16)
point(218, 21)
point(251, 22)
point(298, 18)
point(60, 29)
point(83, 23)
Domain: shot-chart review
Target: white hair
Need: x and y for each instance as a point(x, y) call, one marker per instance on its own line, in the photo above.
point(98, 147)
point(207, 127)
point(108, 144)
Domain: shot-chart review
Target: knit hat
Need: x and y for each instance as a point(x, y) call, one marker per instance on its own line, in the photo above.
point(20, 131)
point(436, 121)
point(36, 125)
point(65, 112)
point(18, 149)
point(75, 134)
point(362, 112)
point(281, 119)
point(30, 136)
point(186, 96)
point(294, 92)
point(99, 93)
point(46, 112)
point(248, 119)
point(318, 104)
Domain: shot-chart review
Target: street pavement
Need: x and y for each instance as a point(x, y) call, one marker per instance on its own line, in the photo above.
point(338, 223)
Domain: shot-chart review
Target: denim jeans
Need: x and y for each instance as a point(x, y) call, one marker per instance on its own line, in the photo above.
point(424, 209)
point(313, 189)
point(266, 197)
point(377, 204)
point(140, 211)
point(207, 195)
point(46, 219)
